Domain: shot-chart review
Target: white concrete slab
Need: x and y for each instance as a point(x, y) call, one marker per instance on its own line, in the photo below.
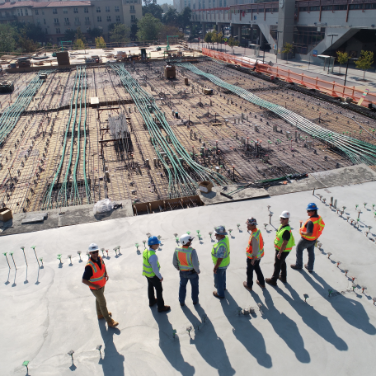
point(45, 317)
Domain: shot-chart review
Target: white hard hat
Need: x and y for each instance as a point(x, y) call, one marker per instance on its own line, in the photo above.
point(185, 238)
point(93, 247)
point(285, 214)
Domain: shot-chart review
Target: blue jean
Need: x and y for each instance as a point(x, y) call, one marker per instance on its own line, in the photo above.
point(302, 245)
point(220, 282)
point(184, 278)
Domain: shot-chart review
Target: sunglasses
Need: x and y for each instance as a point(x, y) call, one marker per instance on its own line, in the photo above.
point(310, 211)
point(94, 252)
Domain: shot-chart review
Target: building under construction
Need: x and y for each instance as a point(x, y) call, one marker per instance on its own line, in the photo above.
point(126, 131)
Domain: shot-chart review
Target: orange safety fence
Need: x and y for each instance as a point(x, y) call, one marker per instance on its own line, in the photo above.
point(332, 88)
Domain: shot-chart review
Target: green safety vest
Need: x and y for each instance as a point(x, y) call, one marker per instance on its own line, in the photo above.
point(226, 259)
point(278, 239)
point(184, 256)
point(147, 270)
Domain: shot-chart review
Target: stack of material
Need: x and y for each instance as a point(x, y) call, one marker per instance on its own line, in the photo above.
point(118, 126)
point(6, 87)
point(170, 72)
point(23, 62)
point(63, 58)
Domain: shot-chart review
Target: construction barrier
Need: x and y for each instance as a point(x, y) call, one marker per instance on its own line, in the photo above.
point(363, 98)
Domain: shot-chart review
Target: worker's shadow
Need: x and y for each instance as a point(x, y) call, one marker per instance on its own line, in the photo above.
point(349, 309)
point(112, 362)
point(315, 320)
point(208, 344)
point(246, 333)
point(285, 328)
point(171, 346)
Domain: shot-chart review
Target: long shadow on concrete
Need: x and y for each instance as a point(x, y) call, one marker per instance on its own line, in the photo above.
point(286, 328)
point(349, 309)
point(315, 320)
point(112, 362)
point(208, 344)
point(246, 333)
point(171, 346)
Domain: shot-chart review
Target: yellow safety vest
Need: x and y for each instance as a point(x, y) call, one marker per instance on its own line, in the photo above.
point(147, 270)
point(278, 239)
point(226, 259)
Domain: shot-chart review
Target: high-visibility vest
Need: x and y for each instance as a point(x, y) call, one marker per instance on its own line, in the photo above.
point(278, 239)
point(147, 270)
point(260, 241)
point(318, 227)
point(226, 258)
point(98, 277)
point(184, 256)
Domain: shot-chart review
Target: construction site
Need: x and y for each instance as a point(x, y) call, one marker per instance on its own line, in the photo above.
point(153, 131)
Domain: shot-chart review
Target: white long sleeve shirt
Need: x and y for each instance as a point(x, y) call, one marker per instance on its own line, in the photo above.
point(153, 261)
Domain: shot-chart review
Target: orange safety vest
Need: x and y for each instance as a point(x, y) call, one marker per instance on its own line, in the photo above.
point(98, 277)
point(318, 227)
point(255, 234)
point(184, 256)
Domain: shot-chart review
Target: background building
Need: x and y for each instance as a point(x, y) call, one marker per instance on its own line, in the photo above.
point(57, 17)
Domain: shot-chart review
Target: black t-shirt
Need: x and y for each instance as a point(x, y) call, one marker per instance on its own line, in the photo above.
point(286, 235)
point(309, 226)
point(89, 270)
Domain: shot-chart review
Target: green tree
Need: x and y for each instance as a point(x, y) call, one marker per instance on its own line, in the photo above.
point(100, 43)
point(78, 44)
point(171, 17)
point(70, 34)
point(365, 61)
point(133, 33)
point(287, 49)
point(27, 44)
point(33, 32)
point(148, 28)
point(7, 38)
point(208, 37)
point(154, 9)
point(184, 18)
point(119, 33)
point(342, 58)
point(95, 32)
point(80, 35)
point(232, 43)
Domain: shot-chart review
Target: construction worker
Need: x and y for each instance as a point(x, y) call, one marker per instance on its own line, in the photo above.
point(221, 259)
point(254, 252)
point(310, 232)
point(283, 243)
point(95, 276)
point(186, 261)
point(151, 269)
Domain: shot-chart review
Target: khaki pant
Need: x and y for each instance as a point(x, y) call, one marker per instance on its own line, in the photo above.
point(101, 304)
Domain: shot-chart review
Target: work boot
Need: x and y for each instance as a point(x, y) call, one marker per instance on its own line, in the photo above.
point(284, 280)
point(100, 317)
point(306, 266)
point(269, 281)
point(112, 323)
point(217, 296)
point(246, 286)
point(182, 304)
point(151, 304)
point(262, 286)
point(164, 309)
point(293, 266)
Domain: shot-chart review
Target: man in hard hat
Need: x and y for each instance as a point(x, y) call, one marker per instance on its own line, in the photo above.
point(95, 276)
point(221, 259)
point(254, 252)
point(283, 243)
point(186, 261)
point(150, 270)
point(310, 232)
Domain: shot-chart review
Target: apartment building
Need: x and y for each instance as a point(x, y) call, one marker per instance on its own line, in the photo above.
point(56, 17)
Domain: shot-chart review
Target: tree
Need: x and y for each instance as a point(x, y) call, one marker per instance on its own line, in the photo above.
point(365, 61)
point(232, 43)
point(94, 32)
point(169, 30)
point(119, 33)
point(134, 29)
point(184, 18)
point(287, 49)
point(208, 37)
point(80, 35)
point(342, 58)
point(165, 7)
point(78, 44)
point(154, 9)
point(70, 34)
point(171, 17)
point(34, 32)
point(7, 38)
point(100, 43)
point(148, 28)
point(27, 44)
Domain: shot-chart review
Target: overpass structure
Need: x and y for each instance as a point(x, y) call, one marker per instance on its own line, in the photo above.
point(314, 27)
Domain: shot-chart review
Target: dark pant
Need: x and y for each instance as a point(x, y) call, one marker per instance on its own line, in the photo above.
point(191, 276)
point(310, 246)
point(280, 266)
point(257, 269)
point(155, 283)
